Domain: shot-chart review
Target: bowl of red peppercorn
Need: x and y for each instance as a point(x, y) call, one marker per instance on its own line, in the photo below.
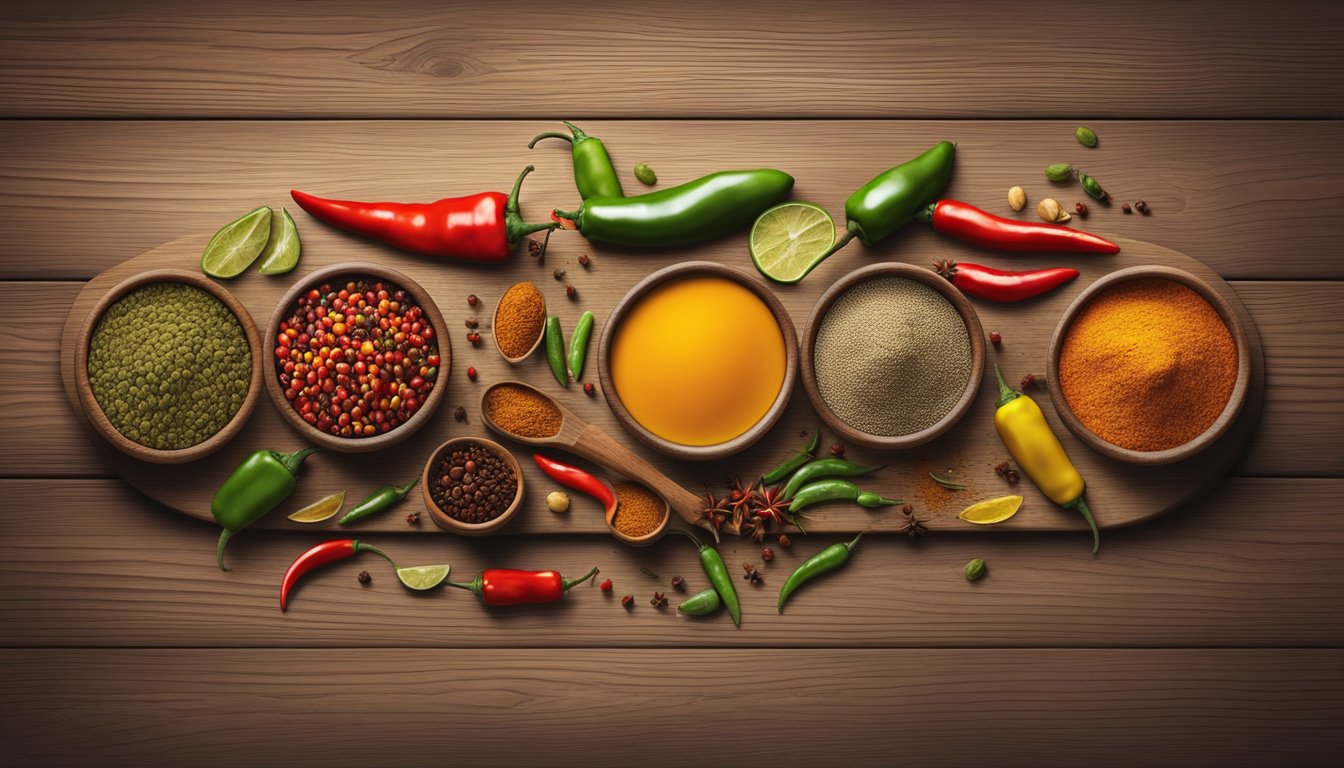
point(472, 486)
point(359, 360)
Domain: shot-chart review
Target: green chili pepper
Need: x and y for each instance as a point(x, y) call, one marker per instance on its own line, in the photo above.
point(381, 499)
point(555, 350)
point(836, 489)
point(1091, 186)
point(795, 461)
point(825, 561)
point(594, 174)
point(824, 468)
point(257, 486)
point(704, 209)
point(712, 563)
point(892, 198)
point(702, 604)
point(578, 344)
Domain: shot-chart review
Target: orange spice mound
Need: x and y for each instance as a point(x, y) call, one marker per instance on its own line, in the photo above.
point(522, 412)
point(639, 511)
point(519, 319)
point(1148, 365)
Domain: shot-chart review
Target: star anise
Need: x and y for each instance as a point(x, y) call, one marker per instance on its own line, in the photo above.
point(756, 527)
point(714, 509)
point(911, 525)
point(770, 504)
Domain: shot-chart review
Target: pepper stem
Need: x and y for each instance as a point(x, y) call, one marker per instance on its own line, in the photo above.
point(291, 461)
point(850, 546)
point(1006, 393)
point(1081, 507)
point(471, 586)
point(548, 135)
point(850, 233)
point(694, 540)
point(360, 546)
point(567, 583)
point(224, 537)
point(579, 135)
point(925, 214)
point(514, 227)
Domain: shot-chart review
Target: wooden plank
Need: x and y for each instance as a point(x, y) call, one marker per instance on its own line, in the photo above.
point(785, 58)
point(1250, 199)
point(181, 707)
point(88, 563)
point(1303, 411)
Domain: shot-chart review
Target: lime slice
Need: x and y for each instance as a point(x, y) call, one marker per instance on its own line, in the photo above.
point(992, 511)
point(322, 509)
point(423, 577)
point(233, 249)
point(281, 253)
point(790, 240)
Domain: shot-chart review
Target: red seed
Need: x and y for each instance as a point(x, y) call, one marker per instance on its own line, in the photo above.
point(995, 338)
point(472, 300)
point(589, 389)
point(606, 585)
point(471, 373)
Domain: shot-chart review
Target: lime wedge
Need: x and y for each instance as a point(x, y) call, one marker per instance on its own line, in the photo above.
point(992, 511)
point(790, 240)
point(233, 249)
point(322, 509)
point(423, 577)
point(281, 253)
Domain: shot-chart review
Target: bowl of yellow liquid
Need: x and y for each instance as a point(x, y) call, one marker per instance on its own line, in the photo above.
point(698, 360)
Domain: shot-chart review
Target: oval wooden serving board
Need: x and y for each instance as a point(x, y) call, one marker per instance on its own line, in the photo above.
point(1119, 494)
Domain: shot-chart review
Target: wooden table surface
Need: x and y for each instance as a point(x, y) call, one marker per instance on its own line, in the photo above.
point(1210, 636)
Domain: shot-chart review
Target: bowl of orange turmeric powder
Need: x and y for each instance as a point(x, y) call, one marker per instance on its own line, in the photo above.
point(1149, 365)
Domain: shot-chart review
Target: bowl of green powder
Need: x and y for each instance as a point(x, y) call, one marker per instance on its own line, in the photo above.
point(892, 356)
point(168, 366)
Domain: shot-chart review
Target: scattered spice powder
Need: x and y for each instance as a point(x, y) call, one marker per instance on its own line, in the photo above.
point(520, 411)
point(519, 319)
point(639, 511)
point(1148, 365)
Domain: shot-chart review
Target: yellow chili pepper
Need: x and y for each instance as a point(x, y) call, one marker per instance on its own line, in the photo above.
point(1025, 432)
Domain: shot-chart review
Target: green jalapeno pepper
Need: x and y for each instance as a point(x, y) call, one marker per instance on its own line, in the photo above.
point(836, 489)
point(891, 200)
point(712, 563)
point(256, 487)
point(821, 468)
point(555, 350)
point(702, 604)
point(578, 344)
point(379, 500)
point(825, 561)
point(795, 461)
point(700, 210)
point(594, 175)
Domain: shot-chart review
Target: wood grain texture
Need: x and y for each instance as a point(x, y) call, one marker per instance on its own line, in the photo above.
point(1250, 199)
point(89, 563)
point(417, 707)
point(783, 58)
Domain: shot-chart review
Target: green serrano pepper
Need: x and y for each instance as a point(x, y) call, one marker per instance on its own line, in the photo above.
point(555, 350)
point(702, 604)
point(825, 561)
point(700, 210)
point(795, 461)
point(379, 500)
point(257, 486)
point(594, 174)
point(712, 563)
point(578, 344)
point(824, 468)
point(891, 200)
point(836, 489)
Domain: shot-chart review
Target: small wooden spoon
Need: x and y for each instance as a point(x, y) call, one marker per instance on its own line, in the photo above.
point(583, 439)
point(610, 503)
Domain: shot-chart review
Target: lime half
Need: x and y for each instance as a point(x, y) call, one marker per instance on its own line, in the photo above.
point(992, 511)
point(423, 577)
point(322, 509)
point(281, 253)
point(790, 240)
point(233, 249)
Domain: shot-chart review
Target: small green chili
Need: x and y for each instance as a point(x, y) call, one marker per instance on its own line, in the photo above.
point(578, 344)
point(702, 604)
point(1091, 186)
point(787, 466)
point(824, 468)
point(712, 563)
point(379, 500)
point(555, 350)
point(825, 561)
point(835, 489)
point(645, 174)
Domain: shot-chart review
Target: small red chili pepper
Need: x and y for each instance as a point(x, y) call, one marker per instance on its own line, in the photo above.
point(573, 477)
point(985, 230)
point(480, 227)
point(1001, 285)
point(323, 554)
point(503, 586)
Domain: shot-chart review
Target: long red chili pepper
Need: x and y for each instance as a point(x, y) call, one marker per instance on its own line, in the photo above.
point(502, 586)
point(1000, 285)
point(323, 554)
point(480, 227)
point(573, 477)
point(971, 225)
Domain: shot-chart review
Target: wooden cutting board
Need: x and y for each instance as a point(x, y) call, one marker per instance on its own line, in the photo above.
point(1119, 494)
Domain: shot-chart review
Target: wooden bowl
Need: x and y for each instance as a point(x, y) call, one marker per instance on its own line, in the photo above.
point(358, 444)
point(948, 291)
point(1205, 438)
point(494, 325)
point(457, 526)
point(661, 444)
point(95, 413)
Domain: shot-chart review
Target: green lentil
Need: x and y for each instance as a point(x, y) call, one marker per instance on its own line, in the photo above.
point(892, 356)
point(169, 365)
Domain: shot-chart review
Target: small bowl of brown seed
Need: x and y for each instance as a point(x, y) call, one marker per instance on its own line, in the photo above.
point(472, 486)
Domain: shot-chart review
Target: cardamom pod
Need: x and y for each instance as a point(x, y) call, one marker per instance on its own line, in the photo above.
point(1091, 186)
point(975, 569)
point(1086, 136)
point(1058, 171)
point(645, 174)
point(1017, 198)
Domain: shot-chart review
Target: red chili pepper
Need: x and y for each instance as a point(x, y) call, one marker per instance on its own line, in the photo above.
point(502, 586)
point(481, 227)
point(573, 477)
point(323, 554)
point(1000, 285)
point(971, 225)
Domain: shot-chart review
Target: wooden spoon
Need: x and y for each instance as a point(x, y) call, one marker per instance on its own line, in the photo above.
point(583, 439)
